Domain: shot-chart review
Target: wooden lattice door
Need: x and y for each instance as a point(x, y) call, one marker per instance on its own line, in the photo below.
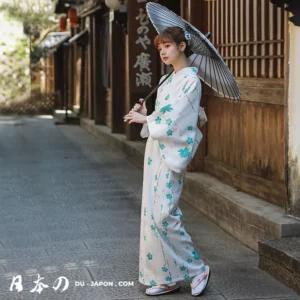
point(245, 140)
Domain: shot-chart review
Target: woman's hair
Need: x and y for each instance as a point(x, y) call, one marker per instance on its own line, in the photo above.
point(174, 35)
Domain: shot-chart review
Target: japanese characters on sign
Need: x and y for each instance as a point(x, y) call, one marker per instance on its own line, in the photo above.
point(143, 61)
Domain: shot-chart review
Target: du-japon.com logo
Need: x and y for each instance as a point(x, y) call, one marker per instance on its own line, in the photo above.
point(62, 284)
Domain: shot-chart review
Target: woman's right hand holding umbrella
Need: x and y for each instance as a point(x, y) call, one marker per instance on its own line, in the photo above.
point(141, 108)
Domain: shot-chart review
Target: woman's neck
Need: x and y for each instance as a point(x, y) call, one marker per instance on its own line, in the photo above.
point(180, 64)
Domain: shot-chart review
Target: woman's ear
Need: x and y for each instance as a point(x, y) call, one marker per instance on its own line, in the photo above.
point(182, 46)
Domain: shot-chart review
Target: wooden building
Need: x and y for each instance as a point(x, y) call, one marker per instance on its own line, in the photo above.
point(245, 142)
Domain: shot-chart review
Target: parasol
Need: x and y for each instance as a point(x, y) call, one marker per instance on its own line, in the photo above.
point(211, 67)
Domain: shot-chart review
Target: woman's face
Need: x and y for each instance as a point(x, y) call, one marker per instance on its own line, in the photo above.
point(169, 52)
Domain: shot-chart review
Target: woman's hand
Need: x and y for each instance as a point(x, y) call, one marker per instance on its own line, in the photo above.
point(140, 108)
point(137, 114)
point(135, 117)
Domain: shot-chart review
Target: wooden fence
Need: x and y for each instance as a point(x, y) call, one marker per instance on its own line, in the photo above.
point(249, 34)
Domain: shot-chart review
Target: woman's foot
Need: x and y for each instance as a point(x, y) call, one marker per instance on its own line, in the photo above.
point(162, 289)
point(200, 282)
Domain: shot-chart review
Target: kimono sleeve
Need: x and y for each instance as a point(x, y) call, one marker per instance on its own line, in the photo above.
point(175, 126)
point(145, 131)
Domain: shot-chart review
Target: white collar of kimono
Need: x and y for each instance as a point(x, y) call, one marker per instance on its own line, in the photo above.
point(187, 70)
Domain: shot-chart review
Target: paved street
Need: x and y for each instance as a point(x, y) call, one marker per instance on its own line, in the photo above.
point(70, 206)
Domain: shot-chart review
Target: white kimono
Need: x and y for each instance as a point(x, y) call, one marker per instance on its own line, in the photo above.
point(166, 251)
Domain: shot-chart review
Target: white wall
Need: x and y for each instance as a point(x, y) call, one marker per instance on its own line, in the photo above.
point(294, 119)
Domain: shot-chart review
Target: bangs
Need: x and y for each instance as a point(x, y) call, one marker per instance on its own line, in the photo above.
point(162, 39)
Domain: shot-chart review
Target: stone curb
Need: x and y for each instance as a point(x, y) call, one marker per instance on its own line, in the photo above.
point(247, 218)
point(281, 259)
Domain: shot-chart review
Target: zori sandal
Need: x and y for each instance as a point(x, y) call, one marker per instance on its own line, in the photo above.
point(200, 282)
point(162, 289)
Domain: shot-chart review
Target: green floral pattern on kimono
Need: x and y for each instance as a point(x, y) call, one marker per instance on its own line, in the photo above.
point(169, 132)
point(166, 108)
point(186, 89)
point(184, 153)
point(165, 223)
point(169, 122)
point(152, 283)
point(195, 253)
point(190, 140)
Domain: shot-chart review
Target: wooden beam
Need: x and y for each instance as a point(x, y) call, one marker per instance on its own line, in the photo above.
point(270, 190)
point(194, 8)
point(260, 90)
point(99, 89)
point(117, 77)
point(90, 70)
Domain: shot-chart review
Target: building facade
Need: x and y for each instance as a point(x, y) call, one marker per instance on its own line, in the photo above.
point(252, 144)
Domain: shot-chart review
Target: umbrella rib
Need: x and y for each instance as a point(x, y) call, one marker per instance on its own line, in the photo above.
point(213, 64)
point(164, 21)
point(194, 58)
point(230, 77)
point(160, 10)
point(160, 27)
point(167, 16)
point(200, 62)
point(210, 72)
point(223, 78)
point(167, 19)
point(220, 79)
point(206, 58)
point(234, 84)
point(228, 82)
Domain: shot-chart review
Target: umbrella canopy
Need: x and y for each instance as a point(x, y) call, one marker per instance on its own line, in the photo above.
point(212, 68)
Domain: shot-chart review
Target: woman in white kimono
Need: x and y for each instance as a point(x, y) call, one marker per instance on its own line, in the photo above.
point(167, 254)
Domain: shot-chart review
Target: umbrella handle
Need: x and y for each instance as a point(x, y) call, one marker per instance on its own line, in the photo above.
point(151, 93)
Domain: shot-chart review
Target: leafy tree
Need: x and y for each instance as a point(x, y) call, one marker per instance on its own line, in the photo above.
point(15, 75)
point(35, 15)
